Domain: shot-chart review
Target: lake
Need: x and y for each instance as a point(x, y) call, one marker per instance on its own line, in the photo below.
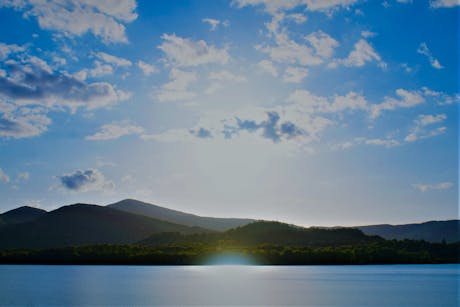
point(373, 285)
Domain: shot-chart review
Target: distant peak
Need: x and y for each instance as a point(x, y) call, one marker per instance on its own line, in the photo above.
point(24, 209)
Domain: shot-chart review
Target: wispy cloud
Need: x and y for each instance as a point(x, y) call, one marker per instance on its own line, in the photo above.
point(4, 177)
point(117, 61)
point(423, 49)
point(146, 68)
point(177, 89)
point(423, 127)
point(214, 23)
point(115, 130)
point(184, 52)
point(104, 19)
point(407, 99)
point(444, 3)
point(362, 53)
point(437, 186)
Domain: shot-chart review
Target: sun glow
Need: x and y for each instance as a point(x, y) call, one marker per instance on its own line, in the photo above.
point(232, 259)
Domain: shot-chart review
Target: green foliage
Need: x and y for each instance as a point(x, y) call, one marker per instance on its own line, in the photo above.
point(262, 242)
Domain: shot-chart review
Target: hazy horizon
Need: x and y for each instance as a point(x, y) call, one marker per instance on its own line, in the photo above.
point(325, 113)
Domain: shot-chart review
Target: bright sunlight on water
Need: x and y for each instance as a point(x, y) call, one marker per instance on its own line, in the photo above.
point(373, 285)
point(230, 259)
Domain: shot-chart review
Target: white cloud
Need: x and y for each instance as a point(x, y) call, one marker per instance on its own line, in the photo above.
point(84, 181)
point(297, 18)
point(225, 75)
point(414, 136)
point(99, 70)
point(178, 86)
point(24, 176)
point(20, 126)
point(444, 3)
point(388, 142)
point(362, 53)
point(214, 23)
point(274, 6)
point(271, 6)
point(296, 123)
point(287, 51)
point(323, 43)
point(171, 135)
point(268, 66)
point(104, 19)
point(407, 99)
point(425, 120)
point(294, 74)
point(428, 187)
point(222, 78)
point(325, 5)
point(117, 61)
point(22, 122)
point(6, 50)
point(33, 82)
point(146, 68)
point(441, 98)
point(319, 104)
point(423, 49)
point(368, 34)
point(115, 130)
point(184, 52)
point(422, 128)
point(4, 177)
point(59, 61)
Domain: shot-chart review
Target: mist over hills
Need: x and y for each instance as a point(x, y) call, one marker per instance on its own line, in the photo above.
point(134, 222)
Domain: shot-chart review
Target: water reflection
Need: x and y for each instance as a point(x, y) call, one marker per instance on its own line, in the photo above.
point(230, 259)
point(410, 285)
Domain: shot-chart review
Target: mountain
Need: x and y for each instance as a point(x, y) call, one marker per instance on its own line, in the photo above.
point(20, 215)
point(433, 231)
point(178, 217)
point(266, 232)
point(286, 234)
point(83, 224)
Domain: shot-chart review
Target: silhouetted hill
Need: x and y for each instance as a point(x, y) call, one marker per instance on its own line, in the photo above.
point(285, 234)
point(20, 215)
point(83, 224)
point(178, 217)
point(266, 232)
point(433, 231)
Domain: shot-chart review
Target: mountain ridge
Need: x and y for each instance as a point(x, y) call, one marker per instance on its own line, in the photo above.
point(20, 215)
point(83, 224)
point(431, 231)
point(179, 217)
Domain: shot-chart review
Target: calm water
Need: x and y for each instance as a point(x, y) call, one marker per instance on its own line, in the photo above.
point(398, 285)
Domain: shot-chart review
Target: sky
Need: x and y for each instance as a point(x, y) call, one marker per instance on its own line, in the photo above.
point(332, 112)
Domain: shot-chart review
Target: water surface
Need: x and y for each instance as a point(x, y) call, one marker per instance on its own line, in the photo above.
point(392, 285)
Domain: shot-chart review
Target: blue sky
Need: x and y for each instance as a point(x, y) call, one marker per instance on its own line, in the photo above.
point(334, 112)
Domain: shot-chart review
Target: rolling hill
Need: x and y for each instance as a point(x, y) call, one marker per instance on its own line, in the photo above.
point(266, 232)
point(178, 217)
point(83, 224)
point(20, 215)
point(433, 231)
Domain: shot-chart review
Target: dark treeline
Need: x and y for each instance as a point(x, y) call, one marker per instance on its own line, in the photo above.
point(383, 252)
point(259, 242)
